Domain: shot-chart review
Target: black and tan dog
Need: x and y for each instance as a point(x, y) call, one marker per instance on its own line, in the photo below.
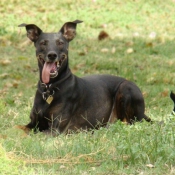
point(65, 102)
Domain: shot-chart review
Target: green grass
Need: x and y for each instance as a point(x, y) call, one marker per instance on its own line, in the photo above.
point(131, 51)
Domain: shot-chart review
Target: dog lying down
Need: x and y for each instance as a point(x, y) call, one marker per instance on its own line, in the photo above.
point(64, 102)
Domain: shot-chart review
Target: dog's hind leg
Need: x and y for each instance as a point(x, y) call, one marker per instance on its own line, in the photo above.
point(118, 110)
point(130, 106)
point(122, 108)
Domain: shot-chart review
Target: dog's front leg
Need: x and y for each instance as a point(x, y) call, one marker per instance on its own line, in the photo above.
point(38, 120)
point(33, 124)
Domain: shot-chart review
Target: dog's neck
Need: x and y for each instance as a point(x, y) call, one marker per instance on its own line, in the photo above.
point(59, 80)
point(49, 89)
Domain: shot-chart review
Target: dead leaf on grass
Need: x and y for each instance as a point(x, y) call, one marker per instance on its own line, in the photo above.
point(5, 62)
point(103, 35)
point(130, 50)
point(83, 52)
point(104, 50)
point(136, 34)
point(165, 93)
point(77, 67)
point(149, 44)
point(103, 26)
point(129, 43)
point(145, 94)
point(113, 50)
point(24, 44)
point(15, 84)
point(4, 75)
point(170, 63)
point(152, 35)
point(150, 165)
point(3, 136)
point(23, 128)
point(27, 66)
point(62, 167)
point(93, 168)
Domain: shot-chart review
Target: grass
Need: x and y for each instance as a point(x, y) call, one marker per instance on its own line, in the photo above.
point(140, 48)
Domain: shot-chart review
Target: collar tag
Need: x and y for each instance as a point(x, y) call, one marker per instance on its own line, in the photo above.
point(49, 99)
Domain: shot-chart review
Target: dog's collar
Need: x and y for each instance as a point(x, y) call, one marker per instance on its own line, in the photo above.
point(48, 90)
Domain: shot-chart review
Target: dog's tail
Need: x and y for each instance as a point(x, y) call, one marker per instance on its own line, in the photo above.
point(147, 119)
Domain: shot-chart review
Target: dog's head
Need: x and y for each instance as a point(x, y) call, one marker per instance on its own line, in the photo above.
point(51, 48)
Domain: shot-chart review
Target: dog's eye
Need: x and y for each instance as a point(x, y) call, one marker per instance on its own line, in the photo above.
point(43, 43)
point(59, 42)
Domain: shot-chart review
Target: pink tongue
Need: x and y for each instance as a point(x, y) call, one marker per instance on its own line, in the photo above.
point(46, 71)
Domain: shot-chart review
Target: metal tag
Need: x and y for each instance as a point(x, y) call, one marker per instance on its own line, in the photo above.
point(49, 99)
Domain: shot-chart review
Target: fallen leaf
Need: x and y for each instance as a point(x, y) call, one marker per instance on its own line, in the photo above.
point(150, 166)
point(113, 50)
point(145, 94)
point(81, 53)
point(5, 62)
point(23, 128)
point(25, 44)
point(4, 75)
point(129, 43)
point(136, 34)
point(104, 50)
point(3, 136)
point(93, 168)
point(152, 35)
point(15, 84)
point(104, 26)
point(171, 62)
point(62, 167)
point(103, 35)
point(165, 93)
point(149, 44)
point(129, 50)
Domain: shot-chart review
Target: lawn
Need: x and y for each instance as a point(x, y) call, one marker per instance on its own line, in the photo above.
point(140, 47)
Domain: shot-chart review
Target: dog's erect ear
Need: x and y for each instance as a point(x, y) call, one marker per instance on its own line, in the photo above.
point(69, 29)
point(33, 31)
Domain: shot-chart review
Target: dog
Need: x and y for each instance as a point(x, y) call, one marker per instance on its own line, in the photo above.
point(66, 103)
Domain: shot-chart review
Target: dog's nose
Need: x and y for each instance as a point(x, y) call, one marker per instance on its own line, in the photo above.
point(52, 55)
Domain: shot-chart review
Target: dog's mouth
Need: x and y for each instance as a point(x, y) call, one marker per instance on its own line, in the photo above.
point(50, 69)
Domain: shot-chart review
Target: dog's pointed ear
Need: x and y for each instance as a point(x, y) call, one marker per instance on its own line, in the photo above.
point(69, 29)
point(33, 31)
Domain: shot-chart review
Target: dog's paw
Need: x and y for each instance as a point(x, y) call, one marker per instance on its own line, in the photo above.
point(24, 128)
